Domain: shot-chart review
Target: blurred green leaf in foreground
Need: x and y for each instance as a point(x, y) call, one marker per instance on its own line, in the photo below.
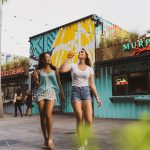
point(86, 139)
point(135, 136)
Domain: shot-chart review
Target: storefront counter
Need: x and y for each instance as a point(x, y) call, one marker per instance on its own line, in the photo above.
point(137, 99)
point(144, 99)
point(122, 98)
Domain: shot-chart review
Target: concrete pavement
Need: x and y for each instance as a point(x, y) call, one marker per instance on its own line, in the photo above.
point(25, 133)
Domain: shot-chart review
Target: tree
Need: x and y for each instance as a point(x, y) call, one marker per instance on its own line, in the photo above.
point(3, 1)
point(1, 103)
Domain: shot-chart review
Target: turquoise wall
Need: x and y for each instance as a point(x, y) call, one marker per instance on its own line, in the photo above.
point(123, 108)
point(35, 109)
point(67, 107)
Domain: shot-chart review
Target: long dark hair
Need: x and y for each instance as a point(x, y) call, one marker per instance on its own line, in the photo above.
point(29, 93)
point(87, 59)
point(41, 62)
point(18, 92)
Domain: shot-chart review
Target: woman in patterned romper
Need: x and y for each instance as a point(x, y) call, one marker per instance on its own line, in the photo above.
point(48, 83)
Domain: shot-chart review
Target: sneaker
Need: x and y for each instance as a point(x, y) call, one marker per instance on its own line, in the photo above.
point(44, 146)
point(81, 148)
point(86, 142)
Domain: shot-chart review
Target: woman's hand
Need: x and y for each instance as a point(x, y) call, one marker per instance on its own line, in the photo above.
point(35, 75)
point(70, 54)
point(62, 96)
point(99, 102)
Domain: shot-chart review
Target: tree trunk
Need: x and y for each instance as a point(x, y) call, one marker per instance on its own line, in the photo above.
point(1, 103)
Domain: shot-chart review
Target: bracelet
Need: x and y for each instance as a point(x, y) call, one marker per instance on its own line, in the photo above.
point(97, 97)
point(37, 77)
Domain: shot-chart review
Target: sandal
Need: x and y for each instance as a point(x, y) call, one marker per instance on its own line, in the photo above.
point(44, 146)
point(50, 145)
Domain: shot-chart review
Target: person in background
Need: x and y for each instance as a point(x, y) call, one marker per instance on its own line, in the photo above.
point(2, 95)
point(29, 100)
point(18, 102)
point(47, 79)
point(82, 81)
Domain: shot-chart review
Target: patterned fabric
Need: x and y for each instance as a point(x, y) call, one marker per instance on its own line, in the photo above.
point(49, 94)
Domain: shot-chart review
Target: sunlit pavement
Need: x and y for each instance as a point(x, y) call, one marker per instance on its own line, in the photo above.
point(25, 133)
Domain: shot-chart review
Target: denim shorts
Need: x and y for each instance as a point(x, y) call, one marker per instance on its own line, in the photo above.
point(80, 93)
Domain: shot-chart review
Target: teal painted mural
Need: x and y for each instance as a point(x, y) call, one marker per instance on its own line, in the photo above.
point(42, 43)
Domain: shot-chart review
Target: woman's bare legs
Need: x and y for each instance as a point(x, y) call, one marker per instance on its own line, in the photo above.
point(88, 118)
point(42, 105)
point(49, 110)
point(77, 106)
point(30, 111)
point(88, 112)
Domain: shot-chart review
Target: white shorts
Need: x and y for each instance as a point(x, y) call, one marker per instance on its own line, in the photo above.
point(47, 95)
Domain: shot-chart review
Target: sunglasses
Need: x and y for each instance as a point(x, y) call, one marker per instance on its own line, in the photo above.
point(82, 52)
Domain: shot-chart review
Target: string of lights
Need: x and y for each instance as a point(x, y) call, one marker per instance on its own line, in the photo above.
point(11, 37)
point(28, 20)
point(15, 42)
point(31, 20)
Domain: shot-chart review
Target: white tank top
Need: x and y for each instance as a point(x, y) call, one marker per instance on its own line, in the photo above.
point(80, 78)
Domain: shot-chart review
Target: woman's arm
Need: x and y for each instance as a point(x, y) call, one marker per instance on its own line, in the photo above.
point(35, 77)
point(25, 98)
point(60, 85)
point(14, 100)
point(94, 91)
point(65, 66)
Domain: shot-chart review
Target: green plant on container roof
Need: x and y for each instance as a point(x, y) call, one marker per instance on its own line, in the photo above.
point(23, 62)
point(135, 136)
point(8, 65)
point(133, 36)
point(118, 40)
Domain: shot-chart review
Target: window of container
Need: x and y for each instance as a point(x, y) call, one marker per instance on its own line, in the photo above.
point(136, 83)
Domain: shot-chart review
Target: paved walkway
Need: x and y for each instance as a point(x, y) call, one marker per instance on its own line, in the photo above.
point(25, 133)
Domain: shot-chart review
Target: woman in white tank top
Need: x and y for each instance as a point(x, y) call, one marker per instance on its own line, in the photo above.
point(82, 82)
